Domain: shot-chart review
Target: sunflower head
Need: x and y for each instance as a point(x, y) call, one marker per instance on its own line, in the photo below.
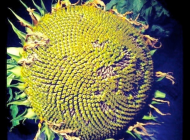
point(87, 72)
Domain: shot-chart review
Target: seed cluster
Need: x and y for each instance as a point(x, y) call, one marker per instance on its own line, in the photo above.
point(93, 76)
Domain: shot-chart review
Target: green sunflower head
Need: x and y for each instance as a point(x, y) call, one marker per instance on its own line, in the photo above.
point(87, 73)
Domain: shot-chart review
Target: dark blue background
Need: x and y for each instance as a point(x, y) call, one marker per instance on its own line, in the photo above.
point(166, 59)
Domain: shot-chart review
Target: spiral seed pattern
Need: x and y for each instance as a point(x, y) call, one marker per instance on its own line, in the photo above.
point(93, 75)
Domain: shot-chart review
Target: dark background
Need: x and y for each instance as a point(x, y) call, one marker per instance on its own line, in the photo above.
point(169, 58)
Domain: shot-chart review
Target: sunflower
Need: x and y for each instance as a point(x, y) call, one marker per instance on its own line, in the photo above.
point(83, 72)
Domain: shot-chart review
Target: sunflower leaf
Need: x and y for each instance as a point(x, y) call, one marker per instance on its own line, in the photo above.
point(21, 35)
point(9, 79)
point(14, 112)
point(21, 19)
point(36, 14)
point(152, 52)
point(48, 133)
point(21, 96)
point(20, 102)
point(20, 86)
point(60, 137)
point(10, 94)
point(19, 117)
point(16, 71)
point(129, 132)
point(41, 10)
point(10, 66)
point(159, 94)
point(111, 4)
point(11, 61)
point(23, 4)
point(43, 7)
point(160, 79)
point(146, 117)
point(15, 53)
point(154, 102)
point(30, 114)
point(138, 136)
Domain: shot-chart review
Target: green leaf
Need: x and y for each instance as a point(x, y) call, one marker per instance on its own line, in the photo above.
point(147, 13)
point(28, 30)
point(15, 53)
point(36, 14)
point(9, 79)
point(20, 102)
point(14, 112)
point(21, 35)
point(146, 117)
point(20, 86)
point(152, 52)
point(130, 5)
point(60, 137)
point(16, 71)
point(159, 94)
point(21, 96)
point(138, 136)
point(160, 79)
point(41, 10)
point(30, 114)
point(21, 19)
point(154, 102)
point(19, 117)
point(10, 94)
point(48, 133)
point(129, 132)
point(14, 123)
point(111, 4)
point(43, 7)
point(10, 66)
point(27, 114)
point(24, 4)
point(11, 61)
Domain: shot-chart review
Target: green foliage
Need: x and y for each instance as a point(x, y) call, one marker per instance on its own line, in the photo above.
point(14, 112)
point(9, 79)
point(40, 9)
point(36, 14)
point(160, 79)
point(19, 86)
point(153, 51)
point(147, 117)
point(21, 19)
point(21, 35)
point(60, 137)
point(10, 94)
point(151, 12)
point(129, 132)
point(20, 102)
point(159, 94)
point(27, 114)
point(138, 136)
point(48, 133)
point(16, 71)
point(43, 7)
point(155, 102)
point(15, 53)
